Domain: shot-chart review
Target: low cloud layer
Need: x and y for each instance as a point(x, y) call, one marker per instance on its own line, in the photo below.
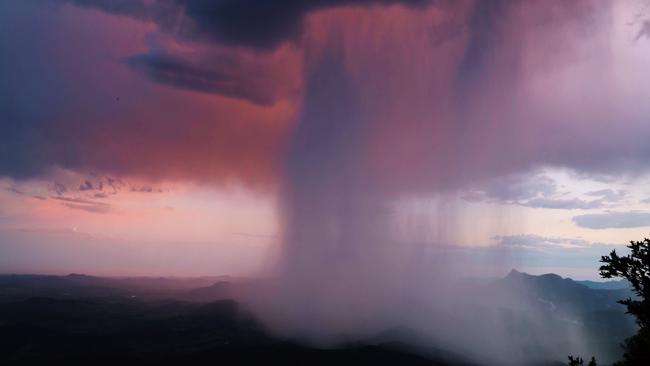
point(533, 241)
point(537, 190)
point(558, 203)
point(613, 220)
point(607, 194)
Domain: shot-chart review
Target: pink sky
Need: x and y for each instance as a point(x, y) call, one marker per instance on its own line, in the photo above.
point(135, 144)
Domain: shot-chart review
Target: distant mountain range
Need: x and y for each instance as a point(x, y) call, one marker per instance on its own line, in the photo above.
point(19, 286)
point(606, 285)
point(81, 319)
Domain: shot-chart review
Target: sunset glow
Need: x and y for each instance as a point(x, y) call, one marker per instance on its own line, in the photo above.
point(142, 140)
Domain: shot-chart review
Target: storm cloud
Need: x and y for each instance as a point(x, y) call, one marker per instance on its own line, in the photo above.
point(235, 76)
point(179, 73)
point(257, 24)
point(132, 8)
point(341, 109)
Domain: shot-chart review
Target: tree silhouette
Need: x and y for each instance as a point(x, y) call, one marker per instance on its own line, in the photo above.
point(578, 361)
point(635, 268)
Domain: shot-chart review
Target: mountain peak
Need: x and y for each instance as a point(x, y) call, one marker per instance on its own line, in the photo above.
point(514, 274)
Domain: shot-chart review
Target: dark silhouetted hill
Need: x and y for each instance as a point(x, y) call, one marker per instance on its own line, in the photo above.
point(106, 332)
point(80, 319)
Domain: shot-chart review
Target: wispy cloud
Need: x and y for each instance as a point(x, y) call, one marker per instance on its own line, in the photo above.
point(613, 220)
point(537, 241)
point(537, 191)
point(74, 231)
point(84, 204)
point(100, 209)
point(608, 194)
point(559, 203)
point(15, 191)
point(551, 253)
point(644, 31)
point(23, 193)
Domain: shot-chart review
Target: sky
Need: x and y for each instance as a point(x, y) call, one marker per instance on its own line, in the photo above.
point(188, 138)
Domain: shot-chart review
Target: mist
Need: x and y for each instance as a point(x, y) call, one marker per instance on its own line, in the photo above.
point(403, 103)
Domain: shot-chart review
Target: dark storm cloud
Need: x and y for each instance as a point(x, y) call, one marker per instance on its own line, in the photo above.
point(67, 101)
point(82, 111)
point(176, 72)
point(259, 24)
point(21, 130)
point(484, 39)
point(132, 8)
point(76, 108)
point(613, 220)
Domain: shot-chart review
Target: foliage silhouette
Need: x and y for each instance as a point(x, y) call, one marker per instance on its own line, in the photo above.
point(578, 361)
point(635, 268)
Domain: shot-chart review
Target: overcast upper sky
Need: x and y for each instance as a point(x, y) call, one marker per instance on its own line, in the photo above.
point(180, 137)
